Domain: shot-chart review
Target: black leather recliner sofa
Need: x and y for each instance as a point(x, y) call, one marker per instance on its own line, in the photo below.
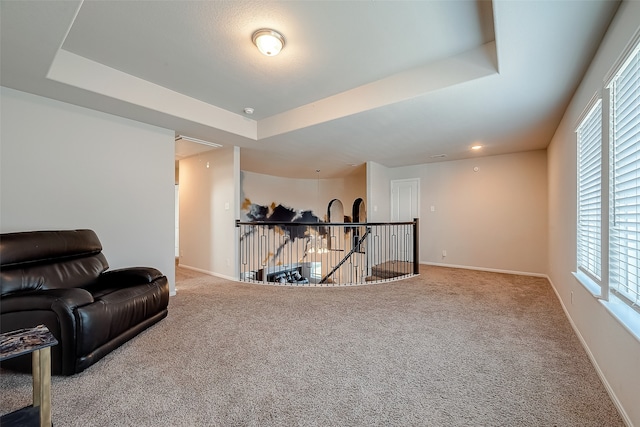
point(60, 279)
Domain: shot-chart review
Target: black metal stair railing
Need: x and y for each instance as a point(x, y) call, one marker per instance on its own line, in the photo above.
point(327, 254)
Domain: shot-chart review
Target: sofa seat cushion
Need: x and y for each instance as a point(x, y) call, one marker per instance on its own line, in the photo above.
point(116, 310)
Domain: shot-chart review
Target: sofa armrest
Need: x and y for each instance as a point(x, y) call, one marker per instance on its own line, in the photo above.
point(26, 309)
point(57, 300)
point(130, 276)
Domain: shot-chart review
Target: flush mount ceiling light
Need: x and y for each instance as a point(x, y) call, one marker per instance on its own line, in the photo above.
point(269, 42)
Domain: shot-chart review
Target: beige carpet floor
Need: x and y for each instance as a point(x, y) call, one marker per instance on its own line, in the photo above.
point(447, 348)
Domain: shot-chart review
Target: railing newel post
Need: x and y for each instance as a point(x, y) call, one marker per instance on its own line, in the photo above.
point(416, 246)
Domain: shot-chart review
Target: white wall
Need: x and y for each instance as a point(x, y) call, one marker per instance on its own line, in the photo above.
point(614, 350)
point(378, 193)
point(495, 218)
point(67, 167)
point(209, 200)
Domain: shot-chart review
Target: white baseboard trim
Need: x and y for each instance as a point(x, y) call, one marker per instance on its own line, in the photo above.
point(492, 270)
point(210, 273)
point(607, 387)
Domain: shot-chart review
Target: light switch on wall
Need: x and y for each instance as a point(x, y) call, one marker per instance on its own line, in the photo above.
point(226, 206)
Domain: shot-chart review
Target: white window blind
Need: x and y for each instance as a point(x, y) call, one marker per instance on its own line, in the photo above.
point(589, 247)
point(624, 228)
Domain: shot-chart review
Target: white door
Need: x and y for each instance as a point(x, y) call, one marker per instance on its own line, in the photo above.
point(405, 206)
point(405, 199)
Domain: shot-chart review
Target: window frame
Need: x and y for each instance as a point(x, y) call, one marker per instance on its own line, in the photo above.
point(592, 117)
point(627, 312)
point(631, 57)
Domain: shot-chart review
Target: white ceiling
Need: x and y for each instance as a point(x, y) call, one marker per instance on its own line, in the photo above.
point(395, 82)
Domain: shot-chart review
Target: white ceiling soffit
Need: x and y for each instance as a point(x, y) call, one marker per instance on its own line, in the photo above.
point(80, 72)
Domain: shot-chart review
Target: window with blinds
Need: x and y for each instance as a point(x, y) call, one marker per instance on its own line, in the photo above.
point(624, 216)
point(589, 244)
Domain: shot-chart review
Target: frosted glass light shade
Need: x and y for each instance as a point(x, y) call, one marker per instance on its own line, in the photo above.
point(268, 42)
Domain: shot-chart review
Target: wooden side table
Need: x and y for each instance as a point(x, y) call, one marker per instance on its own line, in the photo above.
point(37, 341)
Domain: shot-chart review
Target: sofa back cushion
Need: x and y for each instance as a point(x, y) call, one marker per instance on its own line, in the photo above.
point(36, 260)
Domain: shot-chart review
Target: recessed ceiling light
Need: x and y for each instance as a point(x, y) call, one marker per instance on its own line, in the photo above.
point(476, 147)
point(248, 110)
point(269, 42)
